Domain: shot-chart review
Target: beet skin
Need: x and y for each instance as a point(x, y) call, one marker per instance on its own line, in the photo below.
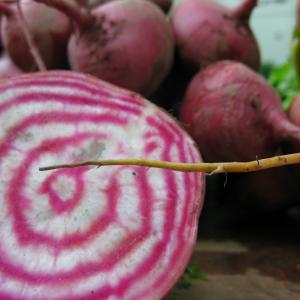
point(233, 114)
point(125, 42)
point(207, 31)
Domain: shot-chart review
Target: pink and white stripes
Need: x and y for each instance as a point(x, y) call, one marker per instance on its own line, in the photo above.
point(118, 232)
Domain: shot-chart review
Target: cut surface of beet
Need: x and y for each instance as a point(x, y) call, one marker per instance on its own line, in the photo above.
point(118, 232)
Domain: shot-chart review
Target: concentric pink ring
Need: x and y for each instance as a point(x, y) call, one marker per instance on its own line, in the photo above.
point(88, 233)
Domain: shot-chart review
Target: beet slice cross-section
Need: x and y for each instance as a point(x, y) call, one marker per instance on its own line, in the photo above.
point(115, 232)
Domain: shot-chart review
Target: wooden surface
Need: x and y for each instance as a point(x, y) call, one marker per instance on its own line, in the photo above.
point(245, 255)
point(237, 271)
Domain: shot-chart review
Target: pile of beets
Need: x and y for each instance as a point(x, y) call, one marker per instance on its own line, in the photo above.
point(74, 74)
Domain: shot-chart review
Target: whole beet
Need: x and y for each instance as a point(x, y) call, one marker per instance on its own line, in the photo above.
point(207, 31)
point(49, 28)
point(233, 114)
point(125, 42)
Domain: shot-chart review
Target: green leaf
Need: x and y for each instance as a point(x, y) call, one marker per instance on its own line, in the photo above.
point(191, 273)
point(285, 78)
point(185, 281)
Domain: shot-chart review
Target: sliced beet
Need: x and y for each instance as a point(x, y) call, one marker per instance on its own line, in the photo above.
point(119, 232)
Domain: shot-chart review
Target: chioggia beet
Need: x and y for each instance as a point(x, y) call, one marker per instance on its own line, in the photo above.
point(120, 232)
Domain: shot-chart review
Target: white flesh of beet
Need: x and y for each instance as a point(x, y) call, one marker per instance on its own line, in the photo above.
point(118, 232)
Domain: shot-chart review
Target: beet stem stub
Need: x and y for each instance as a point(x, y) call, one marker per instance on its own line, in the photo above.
point(244, 10)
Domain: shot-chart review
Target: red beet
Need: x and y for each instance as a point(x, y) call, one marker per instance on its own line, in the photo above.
point(119, 232)
point(233, 114)
point(49, 28)
point(126, 42)
point(207, 31)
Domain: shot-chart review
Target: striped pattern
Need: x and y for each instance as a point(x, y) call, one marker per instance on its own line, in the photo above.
point(117, 232)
